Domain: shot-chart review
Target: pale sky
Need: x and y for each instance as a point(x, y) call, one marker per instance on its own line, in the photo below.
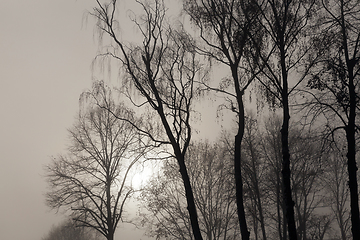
point(45, 63)
point(46, 50)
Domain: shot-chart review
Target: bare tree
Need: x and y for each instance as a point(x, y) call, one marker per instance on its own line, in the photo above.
point(337, 85)
point(214, 190)
point(290, 45)
point(165, 215)
point(254, 169)
point(211, 178)
point(161, 69)
point(319, 227)
point(92, 180)
point(271, 149)
point(337, 187)
point(307, 179)
point(225, 27)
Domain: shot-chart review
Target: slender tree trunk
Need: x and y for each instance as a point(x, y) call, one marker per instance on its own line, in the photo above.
point(245, 234)
point(300, 229)
point(278, 201)
point(189, 197)
point(350, 133)
point(255, 220)
point(184, 174)
point(352, 168)
point(304, 215)
point(261, 215)
point(284, 222)
point(289, 203)
point(110, 235)
point(109, 221)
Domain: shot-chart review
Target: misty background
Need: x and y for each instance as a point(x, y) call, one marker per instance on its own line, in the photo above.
point(46, 49)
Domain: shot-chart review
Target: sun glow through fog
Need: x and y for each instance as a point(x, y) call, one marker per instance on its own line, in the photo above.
point(142, 174)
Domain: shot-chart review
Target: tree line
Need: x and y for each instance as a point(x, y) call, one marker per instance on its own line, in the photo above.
point(316, 195)
point(264, 179)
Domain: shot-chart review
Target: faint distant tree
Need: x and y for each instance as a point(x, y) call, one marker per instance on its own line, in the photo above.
point(285, 63)
point(163, 197)
point(307, 169)
point(271, 154)
point(212, 181)
point(319, 227)
point(254, 169)
point(92, 180)
point(212, 177)
point(335, 85)
point(306, 180)
point(224, 28)
point(160, 69)
point(336, 185)
point(69, 231)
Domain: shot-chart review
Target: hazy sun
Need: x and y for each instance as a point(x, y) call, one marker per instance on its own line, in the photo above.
point(142, 175)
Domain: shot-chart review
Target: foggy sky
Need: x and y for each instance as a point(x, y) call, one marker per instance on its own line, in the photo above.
point(45, 59)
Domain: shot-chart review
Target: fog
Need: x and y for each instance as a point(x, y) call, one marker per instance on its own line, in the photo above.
point(45, 58)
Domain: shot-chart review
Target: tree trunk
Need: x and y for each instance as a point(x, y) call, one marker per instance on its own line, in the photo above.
point(245, 234)
point(189, 197)
point(352, 168)
point(284, 222)
point(109, 220)
point(289, 203)
point(350, 129)
point(261, 215)
point(110, 235)
point(350, 134)
point(180, 157)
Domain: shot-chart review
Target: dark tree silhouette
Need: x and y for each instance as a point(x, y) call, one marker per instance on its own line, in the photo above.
point(335, 86)
point(224, 28)
point(286, 26)
point(161, 69)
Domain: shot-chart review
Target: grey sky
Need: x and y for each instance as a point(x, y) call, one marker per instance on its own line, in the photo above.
point(45, 58)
